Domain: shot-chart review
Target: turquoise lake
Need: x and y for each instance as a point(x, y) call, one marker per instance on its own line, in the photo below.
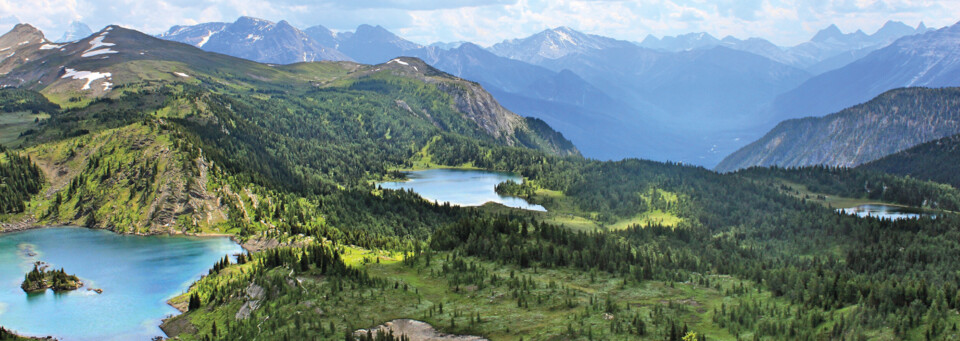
point(461, 187)
point(138, 275)
point(887, 212)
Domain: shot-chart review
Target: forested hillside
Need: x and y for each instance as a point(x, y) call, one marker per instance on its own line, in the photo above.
point(937, 160)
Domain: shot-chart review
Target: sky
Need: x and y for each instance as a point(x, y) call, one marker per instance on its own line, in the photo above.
point(784, 22)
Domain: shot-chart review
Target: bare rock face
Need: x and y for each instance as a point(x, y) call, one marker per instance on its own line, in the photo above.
point(415, 331)
point(254, 294)
point(480, 107)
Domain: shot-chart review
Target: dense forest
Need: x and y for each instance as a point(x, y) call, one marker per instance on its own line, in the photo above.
point(933, 161)
point(19, 180)
point(13, 100)
point(864, 183)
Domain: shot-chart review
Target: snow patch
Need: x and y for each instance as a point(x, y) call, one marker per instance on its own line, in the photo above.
point(90, 77)
point(50, 46)
point(206, 38)
point(181, 74)
point(253, 37)
point(564, 37)
point(399, 62)
point(97, 43)
point(23, 43)
point(97, 52)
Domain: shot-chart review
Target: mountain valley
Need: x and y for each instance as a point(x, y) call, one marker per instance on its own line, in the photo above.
point(295, 144)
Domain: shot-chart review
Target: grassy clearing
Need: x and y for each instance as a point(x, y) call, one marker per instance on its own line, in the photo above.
point(801, 192)
point(645, 218)
point(15, 123)
point(564, 219)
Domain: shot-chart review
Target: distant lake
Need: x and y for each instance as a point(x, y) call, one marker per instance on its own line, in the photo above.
point(887, 211)
point(461, 187)
point(137, 274)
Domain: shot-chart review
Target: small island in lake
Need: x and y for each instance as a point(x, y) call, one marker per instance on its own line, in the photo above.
point(40, 279)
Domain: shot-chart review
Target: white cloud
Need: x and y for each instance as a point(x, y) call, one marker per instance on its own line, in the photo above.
point(784, 22)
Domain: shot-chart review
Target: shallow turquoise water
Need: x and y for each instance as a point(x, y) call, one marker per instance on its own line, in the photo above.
point(887, 212)
point(461, 187)
point(137, 274)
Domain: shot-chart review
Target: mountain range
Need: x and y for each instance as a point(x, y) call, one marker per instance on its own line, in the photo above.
point(829, 48)
point(255, 39)
point(931, 59)
point(691, 98)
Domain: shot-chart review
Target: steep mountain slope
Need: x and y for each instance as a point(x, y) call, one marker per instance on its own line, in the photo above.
point(937, 160)
point(930, 60)
point(255, 39)
point(77, 31)
point(196, 35)
point(894, 121)
point(323, 36)
point(20, 45)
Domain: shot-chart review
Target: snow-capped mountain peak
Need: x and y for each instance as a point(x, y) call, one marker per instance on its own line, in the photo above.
point(553, 44)
point(76, 31)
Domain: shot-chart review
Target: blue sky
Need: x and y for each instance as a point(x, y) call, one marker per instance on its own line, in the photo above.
point(785, 22)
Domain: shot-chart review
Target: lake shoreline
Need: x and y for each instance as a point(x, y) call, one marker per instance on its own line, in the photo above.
point(32, 225)
point(474, 188)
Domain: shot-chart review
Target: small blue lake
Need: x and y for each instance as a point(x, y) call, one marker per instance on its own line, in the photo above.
point(887, 212)
point(137, 274)
point(461, 187)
